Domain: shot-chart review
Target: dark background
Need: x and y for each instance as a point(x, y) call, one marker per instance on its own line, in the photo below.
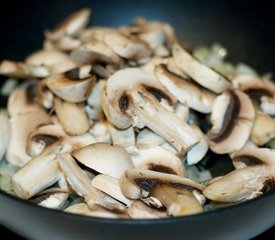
point(22, 24)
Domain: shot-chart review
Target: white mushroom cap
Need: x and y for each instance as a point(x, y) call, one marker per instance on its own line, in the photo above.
point(232, 118)
point(160, 160)
point(21, 126)
point(105, 158)
point(202, 74)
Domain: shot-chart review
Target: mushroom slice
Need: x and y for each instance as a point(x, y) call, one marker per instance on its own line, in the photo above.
point(44, 137)
point(261, 91)
point(160, 160)
point(238, 185)
point(73, 86)
point(95, 52)
point(72, 117)
point(35, 176)
point(182, 111)
point(84, 209)
point(139, 210)
point(105, 158)
point(5, 132)
point(254, 157)
point(95, 34)
point(263, 129)
point(177, 201)
point(147, 139)
point(196, 153)
point(22, 70)
point(95, 110)
point(66, 43)
point(186, 91)
point(232, 118)
point(81, 184)
point(110, 186)
point(100, 131)
point(54, 198)
point(21, 126)
point(202, 74)
point(71, 26)
point(46, 58)
point(137, 102)
point(138, 183)
point(129, 48)
point(123, 137)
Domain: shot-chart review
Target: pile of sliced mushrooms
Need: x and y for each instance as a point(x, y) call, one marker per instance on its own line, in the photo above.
point(110, 117)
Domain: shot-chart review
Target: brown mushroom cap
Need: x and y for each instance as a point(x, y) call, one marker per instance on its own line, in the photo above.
point(232, 118)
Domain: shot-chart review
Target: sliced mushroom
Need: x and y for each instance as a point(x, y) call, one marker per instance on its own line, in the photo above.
point(72, 117)
point(36, 176)
point(160, 160)
point(54, 198)
point(137, 103)
point(21, 126)
point(95, 34)
point(137, 183)
point(100, 131)
point(71, 26)
point(46, 58)
point(73, 86)
point(84, 209)
point(5, 132)
point(254, 157)
point(182, 111)
point(140, 210)
point(238, 185)
point(263, 129)
point(95, 52)
point(65, 43)
point(174, 192)
point(195, 154)
point(81, 184)
point(123, 137)
point(129, 48)
point(186, 91)
point(110, 186)
point(202, 74)
point(105, 158)
point(147, 138)
point(22, 70)
point(178, 202)
point(232, 118)
point(261, 91)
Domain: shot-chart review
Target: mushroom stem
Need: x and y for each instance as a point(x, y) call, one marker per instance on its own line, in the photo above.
point(37, 175)
point(81, 183)
point(153, 115)
point(178, 202)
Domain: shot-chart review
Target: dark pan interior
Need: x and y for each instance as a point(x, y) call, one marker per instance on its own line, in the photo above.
point(245, 28)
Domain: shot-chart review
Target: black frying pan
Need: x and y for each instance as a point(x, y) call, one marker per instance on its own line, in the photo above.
point(246, 29)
